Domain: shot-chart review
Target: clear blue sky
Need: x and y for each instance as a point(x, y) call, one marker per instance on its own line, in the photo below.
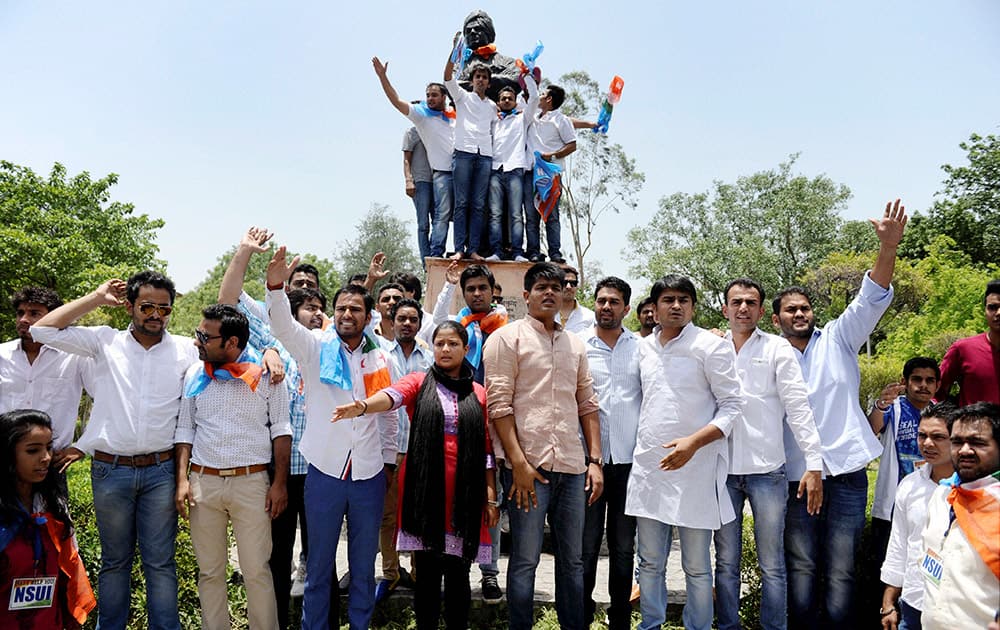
point(218, 115)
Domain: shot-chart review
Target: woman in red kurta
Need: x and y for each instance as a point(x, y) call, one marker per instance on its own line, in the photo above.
point(447, 499)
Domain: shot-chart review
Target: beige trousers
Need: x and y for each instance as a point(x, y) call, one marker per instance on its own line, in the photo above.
point(219, 500)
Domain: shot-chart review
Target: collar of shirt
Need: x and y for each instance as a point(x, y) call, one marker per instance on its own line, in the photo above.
point(540, 327)
point(688, 327)
point(591, 338)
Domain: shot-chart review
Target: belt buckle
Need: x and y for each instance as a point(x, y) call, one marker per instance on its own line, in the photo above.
point(227, 472)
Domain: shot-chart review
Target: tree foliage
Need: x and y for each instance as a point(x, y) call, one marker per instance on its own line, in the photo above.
point(968, 208)
point(65, 233)
point(772, 226)
point(379, 231)
point(188, 307)
point(599, 177)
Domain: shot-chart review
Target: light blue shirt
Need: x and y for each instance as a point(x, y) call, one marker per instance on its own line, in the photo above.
point(830, 369)
point(618, 385)
point(419, 360)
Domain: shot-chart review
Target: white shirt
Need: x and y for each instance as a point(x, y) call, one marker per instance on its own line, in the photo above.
point(773, 391)
point(618, 386)
point(830, 368)
point(687, 383)
point(353, 449)
point(438, 136)
point(548, 133)
point(906, 541)
point(53, 384)
point(580, 320)
point(136, 391)
point(474, 118)
point(966, 594)
point(229, 425)
point(510, 132)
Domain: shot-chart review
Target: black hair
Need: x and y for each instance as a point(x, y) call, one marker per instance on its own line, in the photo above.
point(942, 410)
point(673, 282)
point(616, 283)
point(992, 288)
point(476, 271)
point(358, 278)
point(307, 268)
point(744, 282)
point(14, 425)
point(792, 290)
point(36, 295)
point(986, 411)
point(150, 278)
point(451, 324)
point(543, 271)
point(232, 323)
point(570, 269)
point(410, 303)
point(921, 362)
point(355, 289)
point(558, 96)
point(646, 301)
point(390, 285)
point(409, 282)
point(507, 88)
point(298, 297)
point(497, 287)
point(480, 67)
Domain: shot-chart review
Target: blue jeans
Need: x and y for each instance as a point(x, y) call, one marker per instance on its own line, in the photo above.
point(328, 500)
point(621, 547)
point(442, 212)
point(423, 202)
point(506, 197)
point(768, 496)
point(824, 545)
point(654, 549)
point(136, 504)
point(472, 183)
point(553, 236)
point(909, 617)
point(563, 500)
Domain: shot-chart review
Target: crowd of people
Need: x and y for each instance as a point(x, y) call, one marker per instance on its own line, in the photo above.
point(418, 427)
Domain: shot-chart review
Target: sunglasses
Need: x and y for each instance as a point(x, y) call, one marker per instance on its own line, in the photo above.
point(147, 308)
point(572, 283)
point(204, 338)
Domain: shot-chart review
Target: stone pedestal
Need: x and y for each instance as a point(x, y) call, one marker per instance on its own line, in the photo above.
point(509, 274)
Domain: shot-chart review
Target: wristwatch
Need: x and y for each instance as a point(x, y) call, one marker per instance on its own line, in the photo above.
point(595, 460)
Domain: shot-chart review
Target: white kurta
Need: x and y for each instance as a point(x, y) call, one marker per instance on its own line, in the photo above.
point(686, 384)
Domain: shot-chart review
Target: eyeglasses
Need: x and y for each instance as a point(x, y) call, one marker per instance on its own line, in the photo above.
point(204, 338)
point(572, 283)
point(148, 308)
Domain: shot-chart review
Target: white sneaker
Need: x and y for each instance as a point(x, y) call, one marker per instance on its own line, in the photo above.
point(493, 258)
point(520, 259)
point(299, 581)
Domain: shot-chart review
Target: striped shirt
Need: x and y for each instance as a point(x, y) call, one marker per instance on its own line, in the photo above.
point(619, 392)
point(419, 360)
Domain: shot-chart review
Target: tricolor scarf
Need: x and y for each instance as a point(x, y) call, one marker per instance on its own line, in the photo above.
point(486, 51)
point(446, 115)
point(246, 368)
point(478, 325)
point(548, 185)
point(976, 506)
point(335, 368)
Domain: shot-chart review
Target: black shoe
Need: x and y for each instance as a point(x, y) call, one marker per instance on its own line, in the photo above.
point(559, 260)
point(406, 580)
point(537, 258)
point(491, 590)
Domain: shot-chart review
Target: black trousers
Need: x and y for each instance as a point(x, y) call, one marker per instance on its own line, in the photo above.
point(610, 507)
point(427, 595)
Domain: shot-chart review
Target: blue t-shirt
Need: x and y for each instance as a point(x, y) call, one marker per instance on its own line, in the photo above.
point(907, 453)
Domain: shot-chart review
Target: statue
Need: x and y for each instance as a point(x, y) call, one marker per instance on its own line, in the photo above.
point(480, 37)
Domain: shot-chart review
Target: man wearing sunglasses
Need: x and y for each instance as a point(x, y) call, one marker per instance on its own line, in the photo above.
point(137, 376)
point(574, 317)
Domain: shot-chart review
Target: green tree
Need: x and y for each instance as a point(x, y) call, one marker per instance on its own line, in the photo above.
point(65, 233)
point(968, 208)
point(772, 226)
point(379, 231)
point(188, 307)
point(599, 177)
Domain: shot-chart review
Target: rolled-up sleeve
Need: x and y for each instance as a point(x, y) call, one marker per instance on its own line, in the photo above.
point(586, 398)
point(278, 411)
point(500, 365)
point(184, 433)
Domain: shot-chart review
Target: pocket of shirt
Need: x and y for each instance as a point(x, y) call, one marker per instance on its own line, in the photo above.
point(757, 376)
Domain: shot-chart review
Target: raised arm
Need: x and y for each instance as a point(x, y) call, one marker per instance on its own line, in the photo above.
point(111, 293)
point(254, 241)
point(889, 230)
point(381, 70)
